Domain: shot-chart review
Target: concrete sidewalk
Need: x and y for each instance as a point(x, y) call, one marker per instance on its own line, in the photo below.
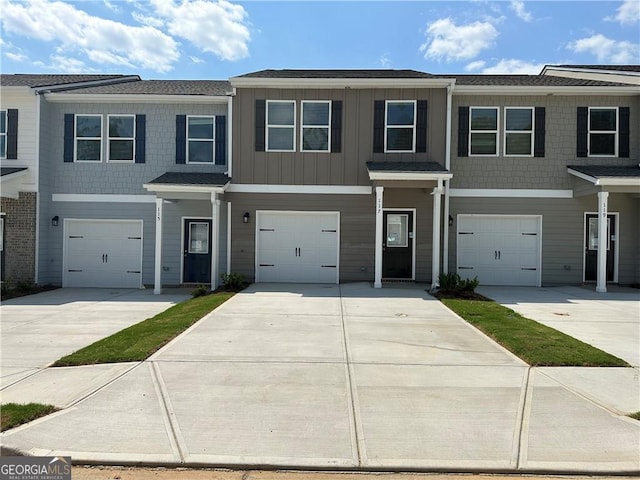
point(348, 377)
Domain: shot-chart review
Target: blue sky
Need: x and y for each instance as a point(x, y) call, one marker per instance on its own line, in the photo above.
point(217, 39)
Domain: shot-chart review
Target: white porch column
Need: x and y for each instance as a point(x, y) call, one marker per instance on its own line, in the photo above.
point(215, 229)
point(378, 255)
point(435, 249)
point(601, 285)
point(157, 282)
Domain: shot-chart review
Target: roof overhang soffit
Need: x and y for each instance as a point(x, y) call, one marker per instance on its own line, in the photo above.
point(619, 184)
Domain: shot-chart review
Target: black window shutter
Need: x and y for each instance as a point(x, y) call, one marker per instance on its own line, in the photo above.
point(463, 131)
point(378, 126)
point(623, 136)
point(336, 126)
point(68, 137)
point(421, 127)
point(581, 139)
point(141, 135)
point(221, 140)
point(12, 134)
point(181, 139)
point(538, 141)
point(261, 111)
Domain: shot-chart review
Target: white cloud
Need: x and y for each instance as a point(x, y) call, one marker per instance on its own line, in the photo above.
point(75, 31)
point(147, 20)
point(384, 61)
point(518, 7)
point(217, 27)
point(111, 6)
point(196, 59)
point(475, 66)
point(606, 50)
point(16, 57)
point(512, 66)
point(64, 64)
point(627, 14)
point(448, 41)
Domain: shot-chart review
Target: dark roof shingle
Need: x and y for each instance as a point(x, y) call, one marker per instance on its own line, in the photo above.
point(608, 171)
point(405, 167)
point(343, 74)
point(42, 80)
point(162, 87)
point(191, 178)
point(9, 170)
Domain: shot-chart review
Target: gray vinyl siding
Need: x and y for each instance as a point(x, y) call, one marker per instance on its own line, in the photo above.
point(550, 171)
point(125, 178)
point(51, 265)
point(562, 232)
point(345, 168)
point(45, 274)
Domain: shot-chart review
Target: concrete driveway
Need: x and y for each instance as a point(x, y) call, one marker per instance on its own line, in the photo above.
point(327, 376)
point(609, 321)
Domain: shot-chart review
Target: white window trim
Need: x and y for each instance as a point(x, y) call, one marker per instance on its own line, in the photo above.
point(212, 140)
point(387, 126)
point(615, 132)
point(3, 153)
point(109, 138)
point(303, 126)
point(496, 132)
point(76, 138)
point(292, 127)
point(530, 132)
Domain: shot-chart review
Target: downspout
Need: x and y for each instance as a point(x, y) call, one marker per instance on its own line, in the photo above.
point(447, 166)
point(230, 134)
point(36, 270)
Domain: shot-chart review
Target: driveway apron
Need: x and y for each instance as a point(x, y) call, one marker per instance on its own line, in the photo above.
point(328, 376)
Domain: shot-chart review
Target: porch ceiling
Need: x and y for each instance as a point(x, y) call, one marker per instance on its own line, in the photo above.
point(407, 171)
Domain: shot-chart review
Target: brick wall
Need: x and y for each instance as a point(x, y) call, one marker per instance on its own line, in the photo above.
point(19, 237)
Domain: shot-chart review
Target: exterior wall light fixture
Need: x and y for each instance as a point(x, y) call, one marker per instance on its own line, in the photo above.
point(246, 217)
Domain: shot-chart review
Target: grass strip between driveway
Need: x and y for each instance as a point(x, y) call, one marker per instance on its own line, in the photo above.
point(139, 341)
point(533, 342)
point(14, 414)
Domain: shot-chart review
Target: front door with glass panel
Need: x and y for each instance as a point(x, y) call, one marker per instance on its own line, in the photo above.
point(397, 245)
point(591, 247)
point(197, 251)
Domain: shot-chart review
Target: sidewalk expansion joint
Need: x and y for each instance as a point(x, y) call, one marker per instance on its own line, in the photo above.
point(521, 432)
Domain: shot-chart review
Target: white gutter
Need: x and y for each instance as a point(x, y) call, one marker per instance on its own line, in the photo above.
point(85, 84)
point(447, 165)
point(229, 136)
point(175, 188)
point(589, 70)
point(36, 272)
point(262, 82)
point(131, 97)
point(409, 176)
point(531, 90)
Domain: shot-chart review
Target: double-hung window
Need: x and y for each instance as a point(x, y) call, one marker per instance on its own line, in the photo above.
point(3, 134)
point(281, 121)
point(400, 126)
point(603, 131)
point(200, 139)
point(483, 130)
point(88, 138)
point(121, 142)
point(518, 131)
point(315, 126)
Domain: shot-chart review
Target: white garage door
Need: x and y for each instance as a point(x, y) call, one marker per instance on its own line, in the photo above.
point(102, 253)
point(299, 247)
point(500, 249)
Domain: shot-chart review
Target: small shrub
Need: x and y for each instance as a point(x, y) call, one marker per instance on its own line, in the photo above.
point(25, 286)
point(452, 282)
point(200, 290)
point(232, 281)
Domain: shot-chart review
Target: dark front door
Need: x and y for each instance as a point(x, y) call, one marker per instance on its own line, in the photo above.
point(591, 248)
point(197, 251)
point(397, 245)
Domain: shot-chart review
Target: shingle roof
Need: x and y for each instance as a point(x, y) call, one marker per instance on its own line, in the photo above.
point(162, 87)
point(608, 171)
point(405, 167)
point(530, 81)
point(38, 80)
point(191, 178)
point(292, 73)
point(9, 170)
point(619, 68)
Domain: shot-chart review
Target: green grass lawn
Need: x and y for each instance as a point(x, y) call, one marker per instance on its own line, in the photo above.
point(14, 414)
point(139, 341)
point(635, 416)
point(533, 342)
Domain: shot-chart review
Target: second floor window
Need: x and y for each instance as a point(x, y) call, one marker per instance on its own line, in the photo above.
point(316, 126)
point(88, 138)
point(121, 138)
point(3, 134)
point(518, 131)
point(200, 139)
point(603, 131)
point(483, 130)
point(400, 126)
point(281, 121)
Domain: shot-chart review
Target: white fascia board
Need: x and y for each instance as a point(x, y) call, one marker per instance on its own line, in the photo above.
point(300, 189)
point(174, 188)
point(13, 176)
point(254, 82)
point(508, 193)
point(133, 98)
point(101, 198)
point(524, 90)
point(85, 84)
point(581, 175)
point(409, 176)
point(619, 181)
point(588, 70)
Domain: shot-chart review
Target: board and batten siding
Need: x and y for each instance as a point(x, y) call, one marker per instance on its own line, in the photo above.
point(562, 232)
point(348, 167)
